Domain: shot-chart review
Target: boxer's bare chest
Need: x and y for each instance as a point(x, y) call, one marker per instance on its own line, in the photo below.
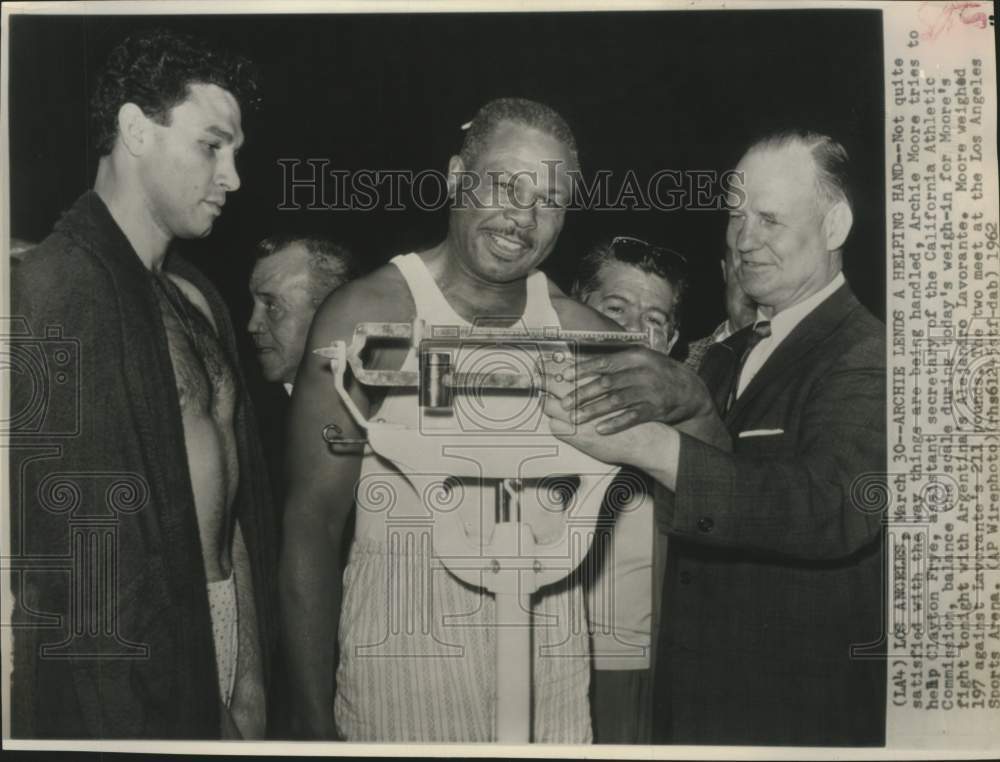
point(204, 378)
point(206, 389)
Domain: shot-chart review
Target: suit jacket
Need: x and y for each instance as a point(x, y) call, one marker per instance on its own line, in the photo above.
point(773, 599)
point(98, 456)
point(272, 405)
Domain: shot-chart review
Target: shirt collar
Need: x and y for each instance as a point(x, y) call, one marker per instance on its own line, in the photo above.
point(288, 388)
point(722, 333)
point(785, 321)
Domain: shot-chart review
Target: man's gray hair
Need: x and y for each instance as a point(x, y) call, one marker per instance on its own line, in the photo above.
point(830, 157)
point(331, 264)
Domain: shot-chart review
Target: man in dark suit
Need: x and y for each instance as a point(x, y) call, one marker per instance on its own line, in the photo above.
point(773, 594)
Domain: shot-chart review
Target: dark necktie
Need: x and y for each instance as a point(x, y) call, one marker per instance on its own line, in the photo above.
point(761, 330)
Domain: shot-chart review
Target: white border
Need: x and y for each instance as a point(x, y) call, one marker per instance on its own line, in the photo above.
point(898, 12)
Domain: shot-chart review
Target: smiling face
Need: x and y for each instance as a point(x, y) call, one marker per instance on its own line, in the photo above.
point(636, 300)
point(523, 190)
point(190, 165)
point(283, 309)
point(786, 248)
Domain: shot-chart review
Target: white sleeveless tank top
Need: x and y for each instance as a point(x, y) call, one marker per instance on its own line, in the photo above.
point(485, 419)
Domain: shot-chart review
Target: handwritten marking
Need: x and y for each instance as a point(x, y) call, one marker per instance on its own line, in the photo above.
point(939, 19)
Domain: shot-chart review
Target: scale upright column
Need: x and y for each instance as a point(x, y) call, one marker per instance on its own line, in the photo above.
point(513, 638)
point(513, 619)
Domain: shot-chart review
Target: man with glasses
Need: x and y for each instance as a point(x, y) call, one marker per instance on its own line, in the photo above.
point(641, 287)
point(636, 284)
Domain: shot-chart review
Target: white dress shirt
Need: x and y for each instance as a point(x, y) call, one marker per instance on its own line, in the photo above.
point(288, 388)
point(782, 324)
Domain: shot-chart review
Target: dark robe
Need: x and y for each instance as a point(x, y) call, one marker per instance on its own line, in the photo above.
point(113, 637)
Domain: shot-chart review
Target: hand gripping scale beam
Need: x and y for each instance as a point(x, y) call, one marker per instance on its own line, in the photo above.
point(513, 564)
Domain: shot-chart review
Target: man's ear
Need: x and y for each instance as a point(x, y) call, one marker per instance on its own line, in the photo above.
point(722, 266)
point(837, 223)
point(134, 129)
point(455, 168)
point(676, 334)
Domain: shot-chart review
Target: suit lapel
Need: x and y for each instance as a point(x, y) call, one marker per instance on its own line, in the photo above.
point(805, 337)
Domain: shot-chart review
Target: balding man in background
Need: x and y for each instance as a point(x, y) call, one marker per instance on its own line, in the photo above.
point(291, 278)
point(740, 310)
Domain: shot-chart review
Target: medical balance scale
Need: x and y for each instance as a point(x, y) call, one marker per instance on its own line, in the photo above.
point(512, 564)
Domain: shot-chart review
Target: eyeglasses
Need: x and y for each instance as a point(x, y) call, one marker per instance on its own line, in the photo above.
point(630, 242)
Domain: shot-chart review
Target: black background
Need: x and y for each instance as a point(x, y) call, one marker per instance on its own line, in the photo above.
point(643, 91)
